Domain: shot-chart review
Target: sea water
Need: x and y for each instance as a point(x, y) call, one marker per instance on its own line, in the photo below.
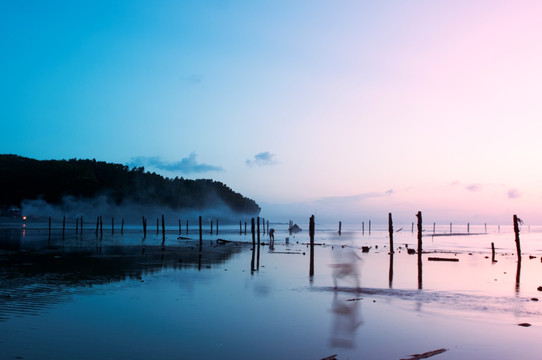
point(128, 297)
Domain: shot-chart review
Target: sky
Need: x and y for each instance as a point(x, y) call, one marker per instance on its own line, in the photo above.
point(347, 110)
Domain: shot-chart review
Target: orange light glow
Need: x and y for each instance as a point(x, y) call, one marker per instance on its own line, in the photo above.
point(24, 217)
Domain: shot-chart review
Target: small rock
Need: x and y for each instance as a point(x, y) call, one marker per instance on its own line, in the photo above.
point(524, 324)
point(539, 288)
point(534, 299)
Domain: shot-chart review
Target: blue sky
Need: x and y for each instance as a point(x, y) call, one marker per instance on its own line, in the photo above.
point(347, 109)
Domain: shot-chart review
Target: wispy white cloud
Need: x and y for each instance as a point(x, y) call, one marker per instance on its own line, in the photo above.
point(186, 165)
point(262, 159)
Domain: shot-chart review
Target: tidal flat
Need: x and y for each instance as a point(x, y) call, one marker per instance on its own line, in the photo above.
point(124, 297)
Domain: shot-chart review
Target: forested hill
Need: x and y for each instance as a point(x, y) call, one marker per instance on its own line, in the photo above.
point(51, 180)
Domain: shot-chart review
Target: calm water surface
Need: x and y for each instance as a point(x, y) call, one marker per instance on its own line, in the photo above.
point(122, 297)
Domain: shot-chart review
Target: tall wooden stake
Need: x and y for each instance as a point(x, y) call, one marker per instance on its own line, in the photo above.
point(163, 230)
point(420, 276)
point(516, 231)
point(390, 231)
point(311, 236)
point(200, 234)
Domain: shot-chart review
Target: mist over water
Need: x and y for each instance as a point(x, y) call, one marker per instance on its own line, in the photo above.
point(129, 210)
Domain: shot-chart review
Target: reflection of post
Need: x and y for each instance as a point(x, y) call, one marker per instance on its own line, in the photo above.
point(163, 230)
point(311, 236)
point(518, 272)
point(391, 271)
point(390, 231)
point(420, 277)
point(516, 231)
point(200, 234)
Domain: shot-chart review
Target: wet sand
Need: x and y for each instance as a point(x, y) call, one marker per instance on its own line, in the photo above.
point(122, 297)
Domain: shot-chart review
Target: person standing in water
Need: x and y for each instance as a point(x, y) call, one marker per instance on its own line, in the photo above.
point(271, 238)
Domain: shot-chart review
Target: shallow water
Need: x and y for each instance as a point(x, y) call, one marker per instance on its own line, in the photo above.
point(122, 297)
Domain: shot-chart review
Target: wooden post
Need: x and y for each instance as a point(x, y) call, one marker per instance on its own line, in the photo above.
point(240, 227)
point(433, 228)
point(420, 276)
point(101, 227)
point(468, 228)
point(211, 226)
point(267, 232)
point(245, 227)
point(186, 227)
point(112, 226)
point(216, 226)
point(63, 226)
point(81, 233)
point(412, 228)
point(340, 226)
point(390, 231)
point(200, 234)
point(252, 227)
point(97, 225)
point(157, 226)
point(49, 228)
point(77, 226)
point(122, 227)
point(311, 235)
point(263, 225)
point(362, 228)
point(516, 231)
point(163, 230)
point(144, 227)
point(450, 228)
point(493, 252)
point(258, 230)
point(485, 228)
point(369, 227)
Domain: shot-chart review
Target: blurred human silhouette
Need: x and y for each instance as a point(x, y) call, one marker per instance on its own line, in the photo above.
point(271, 238)
point(346, 268)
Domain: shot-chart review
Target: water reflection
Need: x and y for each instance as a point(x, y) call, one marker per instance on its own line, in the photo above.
point(518, 275)
point(34, 280)
point(390, 275)
point(346, 320)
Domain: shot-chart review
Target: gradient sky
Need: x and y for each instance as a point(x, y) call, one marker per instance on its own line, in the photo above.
point(343, 109)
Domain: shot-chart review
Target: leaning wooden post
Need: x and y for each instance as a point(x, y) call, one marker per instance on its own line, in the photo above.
point(163, 230)
point(200, 234)
point(390, 231)
point(311, 235)
point(340, 227)
point(63, 226)
point(516, 231)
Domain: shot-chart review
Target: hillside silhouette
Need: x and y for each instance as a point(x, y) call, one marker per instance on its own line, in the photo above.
point(24, 179)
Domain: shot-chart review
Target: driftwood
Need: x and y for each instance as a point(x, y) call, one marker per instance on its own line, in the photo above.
point(331, 357)
point(425, 354)
point(442, 259)
point(183, 238)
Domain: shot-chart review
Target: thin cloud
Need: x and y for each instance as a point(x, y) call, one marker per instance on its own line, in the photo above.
point(193, 79)
point(186, 165)
point(513, 194)
point(474, 187)
point(262, 159)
